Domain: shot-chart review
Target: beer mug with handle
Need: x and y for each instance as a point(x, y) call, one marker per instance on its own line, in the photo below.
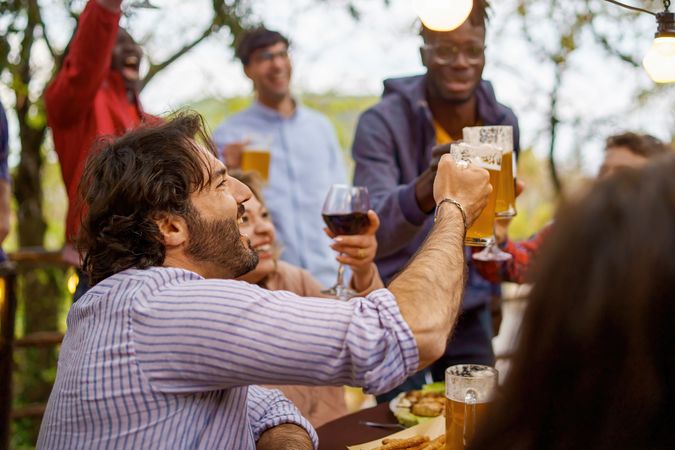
point(502, 137)
point(469, 388)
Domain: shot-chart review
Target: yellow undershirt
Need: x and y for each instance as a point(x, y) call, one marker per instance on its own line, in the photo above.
point(442, 136)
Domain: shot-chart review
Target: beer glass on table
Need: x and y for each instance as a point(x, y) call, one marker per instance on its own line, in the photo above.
point(469, 388)
point(345, 212)
point(256, 156)
point(489, 157)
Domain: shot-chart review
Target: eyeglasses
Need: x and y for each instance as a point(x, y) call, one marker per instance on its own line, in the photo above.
point(266, 56)
point(447, 54)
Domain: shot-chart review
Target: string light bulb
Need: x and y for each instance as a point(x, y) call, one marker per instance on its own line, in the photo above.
point(442, 15)
point(659, 62)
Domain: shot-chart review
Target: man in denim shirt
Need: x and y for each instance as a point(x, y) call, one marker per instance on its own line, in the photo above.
point(305, 155)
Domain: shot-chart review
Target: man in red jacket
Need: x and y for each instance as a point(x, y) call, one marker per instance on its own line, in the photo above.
point(95, 93)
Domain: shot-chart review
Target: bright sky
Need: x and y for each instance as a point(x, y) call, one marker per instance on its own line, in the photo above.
point(332, 52)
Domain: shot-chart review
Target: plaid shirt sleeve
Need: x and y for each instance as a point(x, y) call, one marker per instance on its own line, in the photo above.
point(516, 269)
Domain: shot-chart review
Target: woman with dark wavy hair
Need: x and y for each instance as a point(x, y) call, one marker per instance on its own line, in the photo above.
point(595, 368)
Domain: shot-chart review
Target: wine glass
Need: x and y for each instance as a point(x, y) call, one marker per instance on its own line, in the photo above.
point(345, 211)
point(492, 253)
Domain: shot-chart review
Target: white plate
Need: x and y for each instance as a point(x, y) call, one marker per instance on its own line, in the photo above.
point(393, 403)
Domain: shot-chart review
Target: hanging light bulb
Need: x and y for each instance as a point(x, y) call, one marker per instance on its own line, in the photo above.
point(659, 62)
point(442, 15)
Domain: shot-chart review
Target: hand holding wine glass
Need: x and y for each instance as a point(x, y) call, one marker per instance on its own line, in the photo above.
point(358, 252)
point(345, 212)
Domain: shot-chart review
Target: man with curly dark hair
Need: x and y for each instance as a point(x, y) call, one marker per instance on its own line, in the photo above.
point(166, 349)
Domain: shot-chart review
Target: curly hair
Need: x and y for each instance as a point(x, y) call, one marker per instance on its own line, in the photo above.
point(130, 182)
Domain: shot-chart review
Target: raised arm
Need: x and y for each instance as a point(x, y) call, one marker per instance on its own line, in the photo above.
point(204, 335)
point(429, 289)
point(71, 93)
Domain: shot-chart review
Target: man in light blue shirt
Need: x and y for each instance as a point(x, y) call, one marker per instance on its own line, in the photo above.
point(305, 155)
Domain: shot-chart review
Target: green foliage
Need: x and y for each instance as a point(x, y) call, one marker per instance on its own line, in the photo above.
point(535, 206)
point(42, 292)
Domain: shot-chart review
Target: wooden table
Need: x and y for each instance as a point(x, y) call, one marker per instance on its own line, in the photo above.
point(340, 433)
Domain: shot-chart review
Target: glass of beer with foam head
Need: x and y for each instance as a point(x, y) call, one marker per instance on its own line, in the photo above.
point(502, 137)
point(487, 156)
point(469, 388)
point(256, 156)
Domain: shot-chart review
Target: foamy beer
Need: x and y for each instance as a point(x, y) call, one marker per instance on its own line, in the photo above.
point(502, 137)
point(489, 157)
point(468, 391)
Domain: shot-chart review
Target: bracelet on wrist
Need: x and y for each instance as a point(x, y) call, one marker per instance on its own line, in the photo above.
point(458, 205)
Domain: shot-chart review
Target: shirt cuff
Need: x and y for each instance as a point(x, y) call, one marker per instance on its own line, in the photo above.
point(398, 345)
point(409, 207)
point(270, 408)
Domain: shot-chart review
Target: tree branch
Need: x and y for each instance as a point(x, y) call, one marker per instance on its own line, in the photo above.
point(156, 68)
point(602, 40)
point(48, 43)
point(224, 15)
point(553, 130)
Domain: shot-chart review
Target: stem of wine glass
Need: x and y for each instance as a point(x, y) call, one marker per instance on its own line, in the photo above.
point(492, 253)
point(340, 283)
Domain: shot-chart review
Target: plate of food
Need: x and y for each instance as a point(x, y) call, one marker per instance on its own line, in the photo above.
point(418, 406)
point(429, 435)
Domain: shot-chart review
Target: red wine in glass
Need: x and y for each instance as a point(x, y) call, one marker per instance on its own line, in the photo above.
point(345, 211)
point(347, 224)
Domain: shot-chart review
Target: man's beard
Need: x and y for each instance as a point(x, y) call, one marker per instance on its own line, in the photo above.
point(219, 242)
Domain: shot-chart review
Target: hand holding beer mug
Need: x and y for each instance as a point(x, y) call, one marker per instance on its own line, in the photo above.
point(488, 157)
point(468, 390)
point(469, 186)
point(481, 234)
point(255, 156)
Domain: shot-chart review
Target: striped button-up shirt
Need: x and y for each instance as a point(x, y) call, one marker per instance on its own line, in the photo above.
point(162, 358)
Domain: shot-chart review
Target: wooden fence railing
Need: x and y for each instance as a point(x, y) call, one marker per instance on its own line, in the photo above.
point(8, 342)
